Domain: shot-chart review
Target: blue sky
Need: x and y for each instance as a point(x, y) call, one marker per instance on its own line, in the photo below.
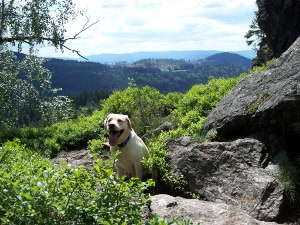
point(160, 25)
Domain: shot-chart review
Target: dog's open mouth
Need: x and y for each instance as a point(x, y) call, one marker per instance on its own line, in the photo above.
point(113, 137)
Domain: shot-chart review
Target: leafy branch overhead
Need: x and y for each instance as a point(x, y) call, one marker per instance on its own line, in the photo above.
point(43, 22)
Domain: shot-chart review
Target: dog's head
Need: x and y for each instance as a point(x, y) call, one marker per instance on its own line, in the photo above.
point(117, 124)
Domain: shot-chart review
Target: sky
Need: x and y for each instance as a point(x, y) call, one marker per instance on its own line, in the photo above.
point(127, 26)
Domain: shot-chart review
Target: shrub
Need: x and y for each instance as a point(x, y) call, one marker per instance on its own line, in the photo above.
point(36, 192)
point(143, 105)
point(96, 146)
point(264, 66)
point(49, 141)
point(288, 176)
point(159, 166)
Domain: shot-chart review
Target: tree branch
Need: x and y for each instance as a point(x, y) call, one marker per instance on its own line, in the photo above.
point(39, 40)
point(85, 27)
point(76, 51)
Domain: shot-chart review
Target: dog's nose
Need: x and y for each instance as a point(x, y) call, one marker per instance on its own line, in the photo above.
point(111, 126)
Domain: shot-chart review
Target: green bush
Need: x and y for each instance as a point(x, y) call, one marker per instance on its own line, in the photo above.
point(51, 140)
point(159, 166)
point(144, 106)
point(36, 192)
point(263, 67)
point(199, 101)
point(96, 146)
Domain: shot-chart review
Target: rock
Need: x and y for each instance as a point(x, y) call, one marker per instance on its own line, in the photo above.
point(206, 213)
point(266, 102)
point(167, 126)
point(231, 173)
point(78, 158)
point(279, 19)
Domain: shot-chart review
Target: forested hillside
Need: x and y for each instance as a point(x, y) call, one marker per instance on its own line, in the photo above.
point(167, 75)
point(225, 58)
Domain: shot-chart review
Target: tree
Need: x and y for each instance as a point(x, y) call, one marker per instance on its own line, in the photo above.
point(38, 22)
point(26, 95)
point(255, 35)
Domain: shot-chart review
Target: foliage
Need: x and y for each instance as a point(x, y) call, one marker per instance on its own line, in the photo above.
point(38, 22)
point(143, 105)
point(96, 146)
point(87, 102)
point(25, 93)
point(36, 192)
point(147, 109)
point(288, 176)
point(159, 166)
point(264, 66)
point(155, 220)
point(198, 102)
point(255, 32)
point(51, 140)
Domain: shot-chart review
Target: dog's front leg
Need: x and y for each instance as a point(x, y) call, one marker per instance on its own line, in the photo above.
point(138, 170)
point(120, 171)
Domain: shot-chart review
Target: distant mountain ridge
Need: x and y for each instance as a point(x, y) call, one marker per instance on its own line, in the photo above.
point(136, 56)
point(193, 55)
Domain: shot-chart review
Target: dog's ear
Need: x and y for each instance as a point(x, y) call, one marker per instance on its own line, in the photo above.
point(128, 122)
point(105, 122)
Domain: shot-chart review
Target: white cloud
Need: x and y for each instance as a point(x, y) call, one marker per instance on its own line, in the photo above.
point(160, 25)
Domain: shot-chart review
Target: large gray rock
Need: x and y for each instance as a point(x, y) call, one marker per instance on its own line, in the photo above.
point(231, 173)
point(206, 213)
point(267, 102)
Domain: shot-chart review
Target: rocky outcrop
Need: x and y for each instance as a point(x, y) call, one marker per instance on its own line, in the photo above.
point(279, 19)
point(231, 173)
point(266, 103)
point(206, 213)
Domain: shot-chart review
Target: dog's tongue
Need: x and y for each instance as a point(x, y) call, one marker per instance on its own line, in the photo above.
point(113, 138)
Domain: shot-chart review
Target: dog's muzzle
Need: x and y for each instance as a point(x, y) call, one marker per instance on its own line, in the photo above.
point(114, 134)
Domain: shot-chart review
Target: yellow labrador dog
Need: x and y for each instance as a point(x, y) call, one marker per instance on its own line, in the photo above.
point(123, 138)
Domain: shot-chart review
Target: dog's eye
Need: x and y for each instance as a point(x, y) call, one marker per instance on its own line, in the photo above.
point(119, 120)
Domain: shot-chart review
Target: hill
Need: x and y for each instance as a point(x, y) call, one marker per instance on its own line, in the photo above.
point(227, 58)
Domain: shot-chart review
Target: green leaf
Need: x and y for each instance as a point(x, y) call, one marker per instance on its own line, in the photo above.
point(27, 196)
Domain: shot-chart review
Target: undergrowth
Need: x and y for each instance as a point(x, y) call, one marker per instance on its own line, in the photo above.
point(34, 191)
